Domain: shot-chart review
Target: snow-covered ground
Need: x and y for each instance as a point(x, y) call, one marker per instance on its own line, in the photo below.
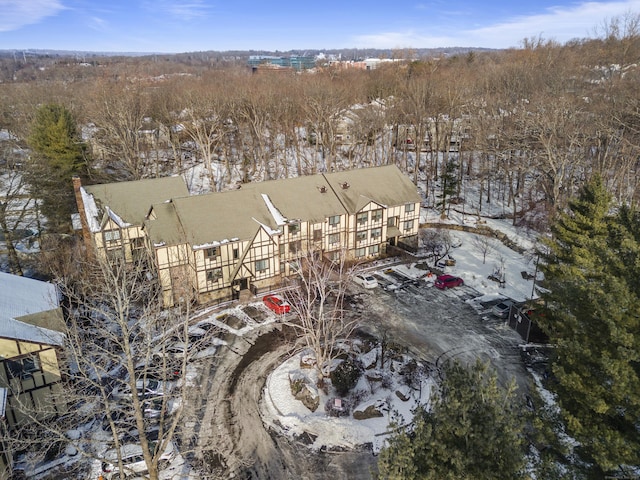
point(289, 416)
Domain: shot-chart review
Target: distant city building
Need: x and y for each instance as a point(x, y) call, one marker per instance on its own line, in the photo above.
point(295, 62)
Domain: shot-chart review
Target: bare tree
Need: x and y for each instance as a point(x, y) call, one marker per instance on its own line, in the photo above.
point(18, 209)
point(483, 245)
point(118, 113)
point(317, 304)
point(120, 377)
point(436, 241)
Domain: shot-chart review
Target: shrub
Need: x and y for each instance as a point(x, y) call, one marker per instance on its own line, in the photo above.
point(345, 376)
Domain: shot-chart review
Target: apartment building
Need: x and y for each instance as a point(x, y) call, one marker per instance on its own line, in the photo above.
point(218, 245)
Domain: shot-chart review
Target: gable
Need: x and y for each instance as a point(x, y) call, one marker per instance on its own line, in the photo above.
point(129, 202)
point(387, 186)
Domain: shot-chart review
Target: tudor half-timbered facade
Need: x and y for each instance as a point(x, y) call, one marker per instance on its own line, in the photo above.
point(218, 246)
point(31, 342)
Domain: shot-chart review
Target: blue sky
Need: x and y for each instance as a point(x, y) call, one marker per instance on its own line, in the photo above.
point(197, 25)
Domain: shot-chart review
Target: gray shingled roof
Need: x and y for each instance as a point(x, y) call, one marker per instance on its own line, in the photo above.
point(385, 185)
point(300, 197)
point(131, 200)
point(215, 217)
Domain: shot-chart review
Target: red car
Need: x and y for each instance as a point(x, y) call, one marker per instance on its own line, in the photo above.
point(277, 304)
point(448, 281)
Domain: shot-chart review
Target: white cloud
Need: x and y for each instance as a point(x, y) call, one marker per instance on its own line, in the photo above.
point(184, 10)
point(18, 13)
point(98, 23)
point(405, 39)
point(557, 23)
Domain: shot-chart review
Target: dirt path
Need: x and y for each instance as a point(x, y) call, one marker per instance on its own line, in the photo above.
point(232, 439)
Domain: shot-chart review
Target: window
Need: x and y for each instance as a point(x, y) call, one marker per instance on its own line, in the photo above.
point(408, 225)
point(362, 218)
point(317, 235)
point(334, 221)
point(281, 248)
point(361, 235)
point(23, 367)
point(294, 266)
point(361, 252)
point(235, 253)
point(212, 252)
point(409, 207)
point(214, 275)
point(262, 265)
point(112, 235)
point(376, 215)
point(376, 233)
point(374, 249)
point(334, 238)
point(294, 228)
point(295, 247)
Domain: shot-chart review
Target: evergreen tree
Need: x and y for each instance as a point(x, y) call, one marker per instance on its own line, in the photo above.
point(449, 179)
point(473, 431)
point(57, 154)
point(593, 318)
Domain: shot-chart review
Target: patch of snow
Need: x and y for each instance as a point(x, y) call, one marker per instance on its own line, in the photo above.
point(275, 213)
point(289, 416)
point(116, 218)
point(91, 210)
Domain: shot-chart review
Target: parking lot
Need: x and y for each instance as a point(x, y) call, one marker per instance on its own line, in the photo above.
point(224, 425)
point(438, 325)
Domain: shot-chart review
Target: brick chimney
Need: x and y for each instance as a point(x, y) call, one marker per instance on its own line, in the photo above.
point(86, 233)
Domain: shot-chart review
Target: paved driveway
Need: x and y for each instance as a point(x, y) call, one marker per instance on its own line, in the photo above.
point(437, 325)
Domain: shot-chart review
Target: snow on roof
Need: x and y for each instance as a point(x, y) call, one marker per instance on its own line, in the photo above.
point(11, 328)
point(114, 216)
point(267, 228)
point(91, 210)
point(21, 296)
point(275, 213)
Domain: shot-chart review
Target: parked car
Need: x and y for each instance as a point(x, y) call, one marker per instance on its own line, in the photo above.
point(133, 460)
point(448, 281)
point(365, 280)
point(501, 310)
point(145, 388)
point(276, 303)
point(153, 408)
point(58, 453)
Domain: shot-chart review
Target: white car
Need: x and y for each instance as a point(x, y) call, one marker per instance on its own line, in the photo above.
point(133, 460)
point(501, 310)
point(365, 280)
point(145, 388)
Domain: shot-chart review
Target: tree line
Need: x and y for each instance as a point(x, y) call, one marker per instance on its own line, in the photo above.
point(524, 127)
